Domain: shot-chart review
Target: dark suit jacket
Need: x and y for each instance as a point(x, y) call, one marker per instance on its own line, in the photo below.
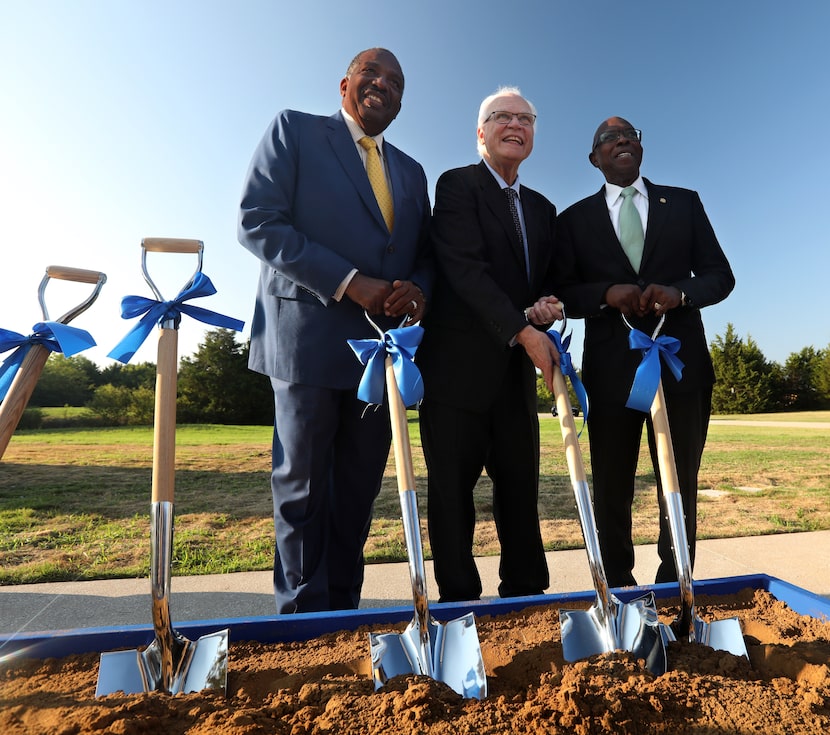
point(482, 286)
point(309, 214)
point(680, 250)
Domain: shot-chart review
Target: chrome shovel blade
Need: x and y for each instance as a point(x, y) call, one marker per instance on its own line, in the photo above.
point(634, 627)
point(454, 656)
point(202, 664)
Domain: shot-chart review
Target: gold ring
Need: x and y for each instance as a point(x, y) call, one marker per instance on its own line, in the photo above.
point(414, 304)
point(656, 305)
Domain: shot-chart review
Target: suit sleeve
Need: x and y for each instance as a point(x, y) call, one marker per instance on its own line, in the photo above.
point(712, 280)
point(266, 220)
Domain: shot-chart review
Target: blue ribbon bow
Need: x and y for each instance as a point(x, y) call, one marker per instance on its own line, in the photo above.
point(647, 377)
point(566, 365)
point(158, 312)
point(401, 344)
point(54, 336)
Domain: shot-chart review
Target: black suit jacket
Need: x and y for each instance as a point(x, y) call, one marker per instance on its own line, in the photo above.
point(482, 287)
point(680, 250)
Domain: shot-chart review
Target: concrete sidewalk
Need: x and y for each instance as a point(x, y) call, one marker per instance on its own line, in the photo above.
point(803, 559)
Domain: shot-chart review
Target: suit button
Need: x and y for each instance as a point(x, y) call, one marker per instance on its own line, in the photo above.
point(641, 283)
point(390, 249)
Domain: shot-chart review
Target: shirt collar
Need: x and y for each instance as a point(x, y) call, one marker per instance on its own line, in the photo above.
point(358, 133)
point(501, 182)
point(612, 191)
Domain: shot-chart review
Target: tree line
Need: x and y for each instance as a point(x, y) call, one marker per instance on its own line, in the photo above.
point(215, 385)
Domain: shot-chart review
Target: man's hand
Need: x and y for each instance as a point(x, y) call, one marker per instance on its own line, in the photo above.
point(541, 351)
point(370, 293)
point(627, 298)
point(547, 310)
point(406, 298)
point(660, 299)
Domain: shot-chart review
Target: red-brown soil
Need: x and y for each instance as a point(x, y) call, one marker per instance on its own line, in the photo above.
point(324, 686)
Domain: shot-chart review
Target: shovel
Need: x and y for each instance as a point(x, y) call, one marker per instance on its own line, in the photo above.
point(609, 624)
point(171, 663)
point(448, 652)
point(33, 363)
point(722, 635)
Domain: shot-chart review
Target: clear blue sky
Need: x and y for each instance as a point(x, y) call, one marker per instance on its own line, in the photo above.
point(124, 119)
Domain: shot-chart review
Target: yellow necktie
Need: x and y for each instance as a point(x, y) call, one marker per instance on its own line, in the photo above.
point(377, 179)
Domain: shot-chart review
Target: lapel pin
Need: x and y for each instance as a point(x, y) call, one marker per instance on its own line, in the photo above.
point(662, 200)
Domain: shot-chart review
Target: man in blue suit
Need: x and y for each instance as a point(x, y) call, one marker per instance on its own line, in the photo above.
point(328, 254)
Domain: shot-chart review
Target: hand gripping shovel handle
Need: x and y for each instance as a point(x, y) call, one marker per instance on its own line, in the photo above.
point(33, 363)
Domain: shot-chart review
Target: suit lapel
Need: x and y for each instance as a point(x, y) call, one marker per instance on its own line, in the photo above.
point(496, 201)
point(344, 148)
point(600, 221)
point(659, 205)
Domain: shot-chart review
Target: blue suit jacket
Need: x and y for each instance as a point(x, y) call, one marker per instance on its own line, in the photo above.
point(309, 214)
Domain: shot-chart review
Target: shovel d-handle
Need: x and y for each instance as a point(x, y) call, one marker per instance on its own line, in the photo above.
point(31, 367)
point(171, 245)
point(673, 502)
point(164, 429)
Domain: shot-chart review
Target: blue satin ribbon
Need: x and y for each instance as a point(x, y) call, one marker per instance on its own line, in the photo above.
point(401, 344)
point(158, 312)
point(566, 365)
point(54, 336)
point(647, 377)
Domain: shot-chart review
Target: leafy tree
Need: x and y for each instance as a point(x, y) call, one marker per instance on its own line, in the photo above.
point(746, 381)
point(142, 374)
point(822, 378)
point(111, 403)
point(65, 381)
point(800, 390)
point(215, 386)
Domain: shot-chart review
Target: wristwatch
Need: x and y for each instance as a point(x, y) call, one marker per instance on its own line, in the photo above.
point(683, 300)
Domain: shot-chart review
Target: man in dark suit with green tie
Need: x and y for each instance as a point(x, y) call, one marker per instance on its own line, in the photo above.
point(663, 260)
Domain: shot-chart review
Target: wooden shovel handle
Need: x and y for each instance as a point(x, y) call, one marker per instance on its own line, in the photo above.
point(164, 429)
point(665, 449)
point(400, 431)
point(20, 391)
point(573, 453)
point(171, 245)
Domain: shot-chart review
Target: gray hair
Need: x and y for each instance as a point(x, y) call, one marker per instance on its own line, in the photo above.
point(484, 110)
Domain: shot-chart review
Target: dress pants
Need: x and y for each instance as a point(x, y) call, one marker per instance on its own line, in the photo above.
point(459, 444)
point(329, 453)
point(614, 434)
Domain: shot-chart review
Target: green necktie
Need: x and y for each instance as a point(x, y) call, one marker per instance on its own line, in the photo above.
point(377, 179)
point(631, 228)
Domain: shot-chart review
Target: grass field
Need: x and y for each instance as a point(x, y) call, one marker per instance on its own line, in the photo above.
point(74, 504)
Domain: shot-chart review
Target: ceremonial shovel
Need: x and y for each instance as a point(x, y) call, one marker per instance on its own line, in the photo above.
point(33, 363)
point(609, 624)
point(723, 635)
point(171, 663)
point(448, 652)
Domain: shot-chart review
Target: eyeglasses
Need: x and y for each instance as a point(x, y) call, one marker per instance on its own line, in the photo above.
point(502, 117)
point(612, 136)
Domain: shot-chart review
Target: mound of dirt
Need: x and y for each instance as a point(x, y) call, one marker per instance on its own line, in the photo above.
point(323, 686)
